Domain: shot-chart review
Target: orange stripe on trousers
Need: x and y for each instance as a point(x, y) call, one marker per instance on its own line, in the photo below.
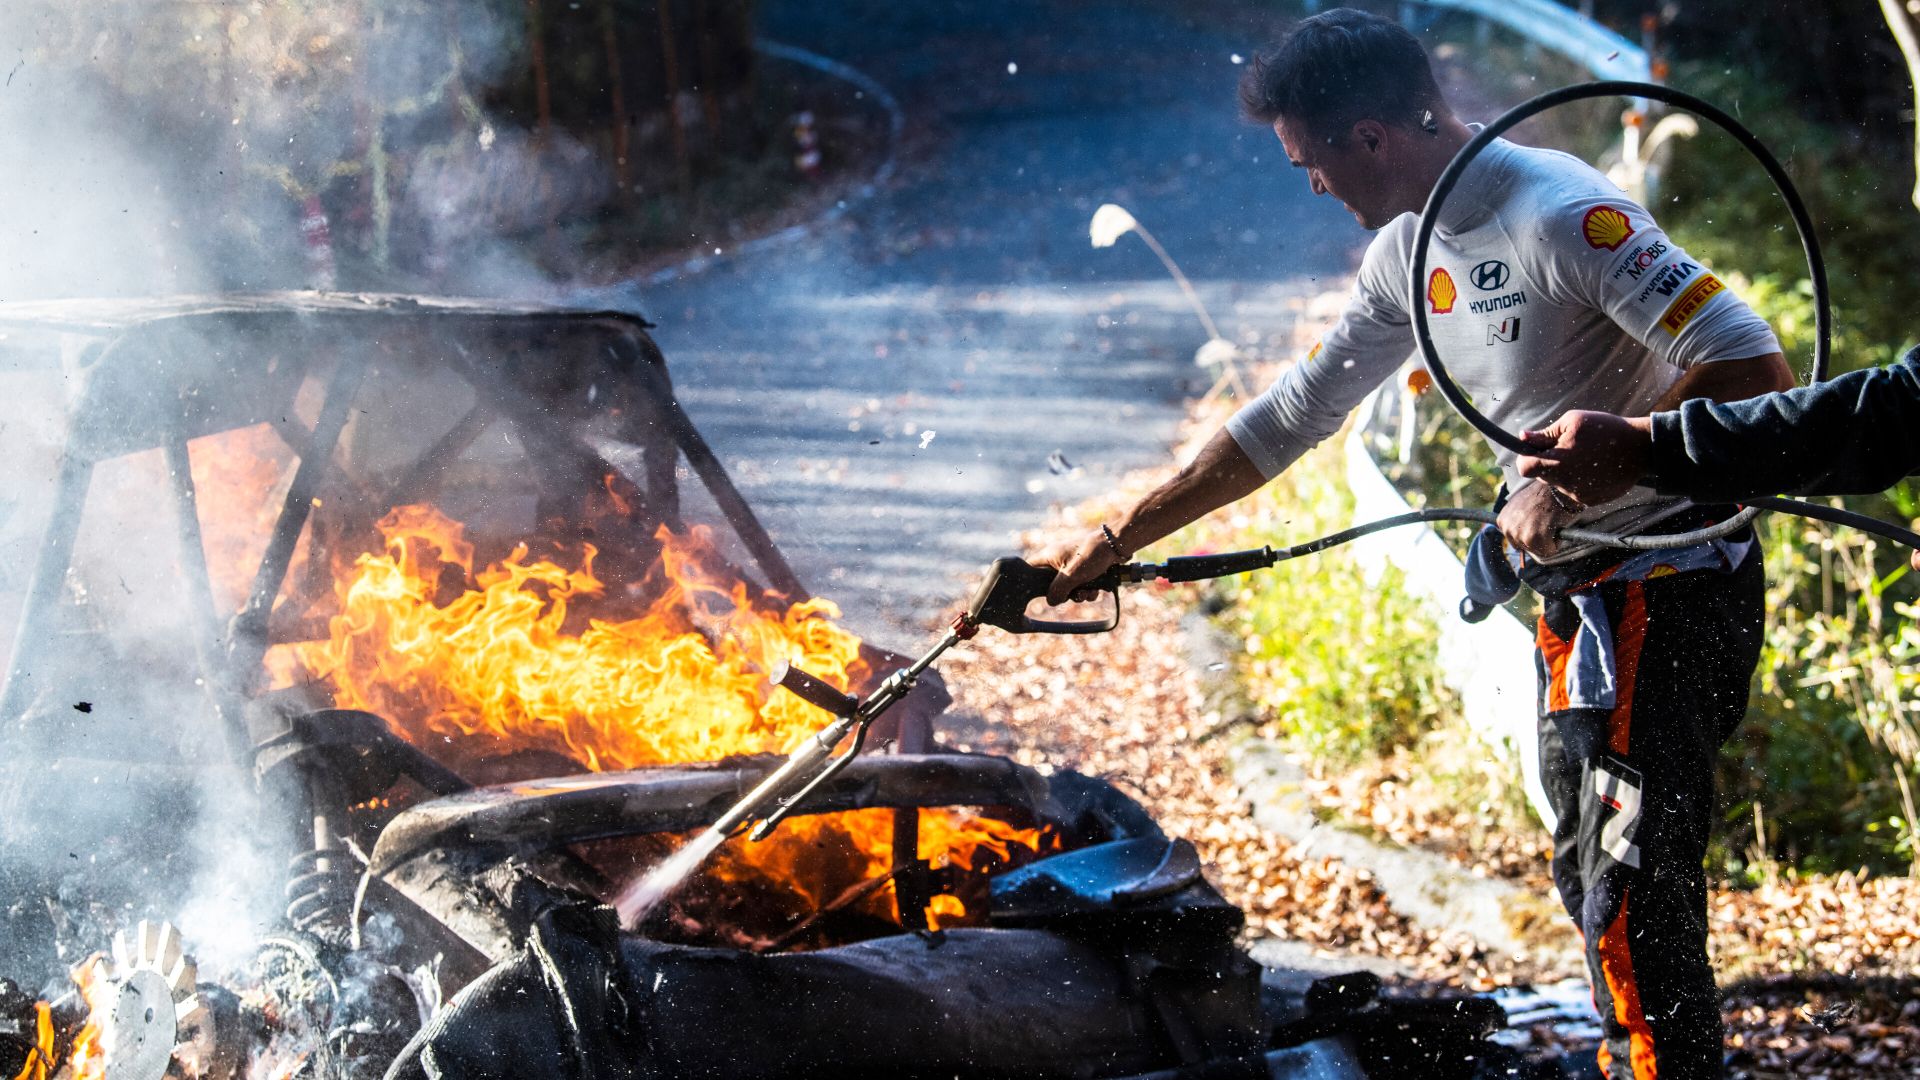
point(1629, 636)
point(1616, 960)
point(1616, 966)
point(1556, 653)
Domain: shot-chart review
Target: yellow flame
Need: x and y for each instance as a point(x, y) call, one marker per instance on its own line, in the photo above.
point(88, 1058)
point(511, 662)
point(40, 1057)
point(504, 659)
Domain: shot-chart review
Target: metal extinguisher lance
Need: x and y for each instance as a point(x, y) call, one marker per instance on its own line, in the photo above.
point(1001, 601)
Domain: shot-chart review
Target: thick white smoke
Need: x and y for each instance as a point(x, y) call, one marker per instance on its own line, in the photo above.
point(157, 149)
point(85, 208)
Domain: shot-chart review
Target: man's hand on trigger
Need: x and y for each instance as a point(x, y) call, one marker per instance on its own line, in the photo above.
point(1532, 519)
point(1592, 457)
point(1077, 563)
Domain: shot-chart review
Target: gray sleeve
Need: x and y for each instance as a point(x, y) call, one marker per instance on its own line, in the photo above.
point(1311, 399)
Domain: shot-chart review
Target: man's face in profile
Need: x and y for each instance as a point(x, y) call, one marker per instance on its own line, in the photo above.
point(1352, 168)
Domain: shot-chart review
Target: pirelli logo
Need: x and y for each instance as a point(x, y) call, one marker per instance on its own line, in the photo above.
point(1688, 304)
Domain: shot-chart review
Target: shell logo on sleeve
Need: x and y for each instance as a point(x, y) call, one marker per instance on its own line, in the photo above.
point(1605, 228)
point(1441, 292)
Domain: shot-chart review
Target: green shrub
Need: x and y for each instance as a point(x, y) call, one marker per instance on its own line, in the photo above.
point(1340, 663)
point(1827, 752)
point(1828, 748)
point(1720, 204)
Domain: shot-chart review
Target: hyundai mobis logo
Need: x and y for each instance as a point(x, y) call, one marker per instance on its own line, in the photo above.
point(1489, 275)
point(1639, 260)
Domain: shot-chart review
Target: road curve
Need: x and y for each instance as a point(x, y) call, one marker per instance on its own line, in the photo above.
point(901, 393)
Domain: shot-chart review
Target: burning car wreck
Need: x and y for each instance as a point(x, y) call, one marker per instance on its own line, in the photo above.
point(399, 621)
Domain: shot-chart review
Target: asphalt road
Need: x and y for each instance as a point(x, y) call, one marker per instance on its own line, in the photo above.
point(902, 393)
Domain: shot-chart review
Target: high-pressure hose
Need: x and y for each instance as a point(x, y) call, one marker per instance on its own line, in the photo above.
point(1816, 269)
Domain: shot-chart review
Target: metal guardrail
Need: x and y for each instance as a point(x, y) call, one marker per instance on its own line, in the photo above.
point(1560, 28)
point(1604, 53)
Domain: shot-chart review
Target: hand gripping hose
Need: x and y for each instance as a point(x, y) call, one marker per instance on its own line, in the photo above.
point(1816, 268)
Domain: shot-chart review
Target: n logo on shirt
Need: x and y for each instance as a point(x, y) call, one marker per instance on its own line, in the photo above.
point(1507, 330)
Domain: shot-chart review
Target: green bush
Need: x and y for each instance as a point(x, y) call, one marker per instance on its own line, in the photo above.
point(1828, 748)
point(1341, 664)
point(1720, 204)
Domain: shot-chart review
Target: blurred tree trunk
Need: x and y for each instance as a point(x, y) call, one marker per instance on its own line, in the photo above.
point(1901, 19)
point(609, 31)
point(542, 88)
point(710, 77)
point(670, 62)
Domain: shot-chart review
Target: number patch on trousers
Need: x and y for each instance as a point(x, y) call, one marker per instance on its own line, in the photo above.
point(1617, 787)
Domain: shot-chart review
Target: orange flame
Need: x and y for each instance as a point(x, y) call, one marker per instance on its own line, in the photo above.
point(505, 658)
point(88, 1058)
point(40, 1058)
point(239, 479)
point(519, 659)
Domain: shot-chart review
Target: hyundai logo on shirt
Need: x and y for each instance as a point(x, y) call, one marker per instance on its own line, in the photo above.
point(1489, 275)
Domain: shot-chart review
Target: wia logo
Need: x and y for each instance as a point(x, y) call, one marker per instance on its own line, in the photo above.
point(1667, 282)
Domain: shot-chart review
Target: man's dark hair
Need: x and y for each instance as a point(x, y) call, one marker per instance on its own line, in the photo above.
point(1339, 67)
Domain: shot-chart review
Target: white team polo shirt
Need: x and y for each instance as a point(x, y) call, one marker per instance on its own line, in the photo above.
point(1547, 289)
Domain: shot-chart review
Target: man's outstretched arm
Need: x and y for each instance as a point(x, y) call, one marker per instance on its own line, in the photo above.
point(1221, 473)
point(1306, 404)
point(1854, 434)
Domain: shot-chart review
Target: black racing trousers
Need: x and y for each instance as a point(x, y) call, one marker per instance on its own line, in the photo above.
point(1633, 789)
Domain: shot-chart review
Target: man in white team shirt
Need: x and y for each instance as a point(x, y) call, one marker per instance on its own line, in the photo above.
point(1548, 289)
